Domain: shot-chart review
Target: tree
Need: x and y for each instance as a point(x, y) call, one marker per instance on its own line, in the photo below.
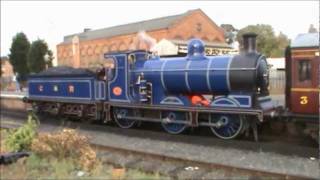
point(312, 29)
point(36, 56)
point(282, 42)
point(267, 42)
point(50, 58)
point(18, 55)
point(229, 32)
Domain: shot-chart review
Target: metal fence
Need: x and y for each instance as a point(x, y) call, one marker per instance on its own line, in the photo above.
point(277, 81)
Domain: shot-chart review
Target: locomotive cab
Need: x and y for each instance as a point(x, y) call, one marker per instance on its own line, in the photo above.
point(122, 85)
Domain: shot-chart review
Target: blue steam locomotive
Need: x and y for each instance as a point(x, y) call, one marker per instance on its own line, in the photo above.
point(228, 94)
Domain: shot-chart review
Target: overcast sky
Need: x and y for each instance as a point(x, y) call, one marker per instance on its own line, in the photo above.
point(51, 20)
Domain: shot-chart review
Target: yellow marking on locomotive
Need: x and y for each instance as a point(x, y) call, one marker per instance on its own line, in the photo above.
point(305, 89)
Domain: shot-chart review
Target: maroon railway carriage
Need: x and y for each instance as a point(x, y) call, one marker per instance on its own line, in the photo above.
point(302, 84)
point(301, 112)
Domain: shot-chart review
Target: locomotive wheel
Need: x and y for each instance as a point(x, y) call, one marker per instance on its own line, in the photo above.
point(173, 128)
point(120, 114)
point(230, 125)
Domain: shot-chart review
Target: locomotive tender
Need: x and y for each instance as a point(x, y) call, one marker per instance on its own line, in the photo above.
point(228, 94)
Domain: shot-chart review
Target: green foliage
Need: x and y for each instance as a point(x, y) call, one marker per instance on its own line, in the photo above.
point(136, 174)
point(63, 168)
point(18, 55)
point(66, 144)
point(50, 58)
point(21, 138)
point(36, 56)
point(35, 164)
point(56, 169)
point(26, 58)
point(267, 42)
point(229, 32)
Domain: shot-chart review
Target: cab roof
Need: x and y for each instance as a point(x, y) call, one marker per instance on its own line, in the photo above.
point(124, 52)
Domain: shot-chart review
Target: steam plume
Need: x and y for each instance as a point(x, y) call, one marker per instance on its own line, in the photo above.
point(143, 37)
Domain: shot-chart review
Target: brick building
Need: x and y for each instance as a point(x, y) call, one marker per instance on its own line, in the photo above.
point(6, 67)
point(6, 74)
point(86, 48)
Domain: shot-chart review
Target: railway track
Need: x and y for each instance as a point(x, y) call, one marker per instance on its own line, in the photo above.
point(13, 101)
point(159, 152)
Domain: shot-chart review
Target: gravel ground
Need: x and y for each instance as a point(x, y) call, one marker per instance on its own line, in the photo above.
point(242, 154)
point(263, 161)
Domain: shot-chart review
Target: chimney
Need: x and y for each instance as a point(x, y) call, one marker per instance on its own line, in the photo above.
point(86, 29)
point(249, 42)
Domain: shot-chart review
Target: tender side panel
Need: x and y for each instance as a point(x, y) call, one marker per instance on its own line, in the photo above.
point(77, 89)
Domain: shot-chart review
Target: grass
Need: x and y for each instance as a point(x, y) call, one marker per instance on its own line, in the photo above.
point(35, 167)
point(51, 167)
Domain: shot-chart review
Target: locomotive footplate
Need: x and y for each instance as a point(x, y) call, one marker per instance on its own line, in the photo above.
point(192, 111)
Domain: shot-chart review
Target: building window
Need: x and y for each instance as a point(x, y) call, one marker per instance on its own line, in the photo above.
point(105, 49)
point(199, 27)
point(113, 48)
point(122, 47)
point(304, 70)
point(205, 38)
point(178, 37)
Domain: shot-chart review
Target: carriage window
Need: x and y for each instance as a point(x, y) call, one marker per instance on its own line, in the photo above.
point(304, 70)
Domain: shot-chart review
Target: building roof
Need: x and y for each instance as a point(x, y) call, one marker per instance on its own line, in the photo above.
point(306, 40)
point(147, 25)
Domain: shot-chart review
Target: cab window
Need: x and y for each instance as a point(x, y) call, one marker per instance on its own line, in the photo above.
point(110, 68)
point(304, 70)
point(132, 60)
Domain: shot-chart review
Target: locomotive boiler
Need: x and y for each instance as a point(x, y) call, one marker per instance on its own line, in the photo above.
point(228, 94)
point(199, 74)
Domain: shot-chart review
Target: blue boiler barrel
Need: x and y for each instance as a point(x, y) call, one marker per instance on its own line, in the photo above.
point(197, 73)
point(181, 75)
